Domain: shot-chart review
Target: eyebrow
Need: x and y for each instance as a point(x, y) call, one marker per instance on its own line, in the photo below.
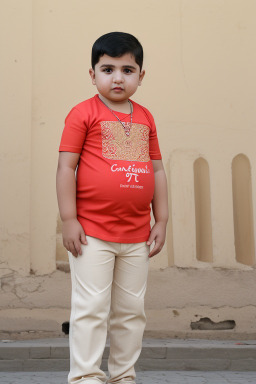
point(113, 66)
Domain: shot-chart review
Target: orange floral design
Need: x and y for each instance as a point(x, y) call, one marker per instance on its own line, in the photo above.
point(116, 145)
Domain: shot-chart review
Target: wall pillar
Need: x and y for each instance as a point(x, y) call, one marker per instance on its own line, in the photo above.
point(183, 207)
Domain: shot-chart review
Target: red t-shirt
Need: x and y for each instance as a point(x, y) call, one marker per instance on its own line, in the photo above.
point(115, 177)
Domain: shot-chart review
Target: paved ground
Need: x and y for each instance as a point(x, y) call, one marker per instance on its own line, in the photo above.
point(157, 354)
point(147, 377)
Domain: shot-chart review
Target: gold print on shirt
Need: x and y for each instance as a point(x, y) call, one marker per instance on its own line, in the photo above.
point(116, 145)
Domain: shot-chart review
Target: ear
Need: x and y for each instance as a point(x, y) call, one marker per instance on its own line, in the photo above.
point(142, 74)
point(92, 74)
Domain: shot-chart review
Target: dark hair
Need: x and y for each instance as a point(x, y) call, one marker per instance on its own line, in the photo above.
point(117, 44)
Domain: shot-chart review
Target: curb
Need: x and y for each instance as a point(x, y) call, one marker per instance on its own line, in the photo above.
point(157, 354)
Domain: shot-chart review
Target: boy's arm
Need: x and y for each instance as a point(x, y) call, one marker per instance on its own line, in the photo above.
point(160, 208)
point(72, 231)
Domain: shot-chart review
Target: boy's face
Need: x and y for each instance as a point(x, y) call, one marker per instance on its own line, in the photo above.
point(117, 78)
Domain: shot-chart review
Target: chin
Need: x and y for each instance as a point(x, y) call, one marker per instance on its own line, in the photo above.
point(118, 97)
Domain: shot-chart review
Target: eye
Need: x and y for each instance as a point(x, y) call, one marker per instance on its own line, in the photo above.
point(127, 70)
point(107, 70)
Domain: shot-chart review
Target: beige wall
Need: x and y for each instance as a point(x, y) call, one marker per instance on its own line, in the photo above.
point(15, 131)
point(200, 85)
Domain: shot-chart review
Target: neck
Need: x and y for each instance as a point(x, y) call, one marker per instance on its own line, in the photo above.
point(118, 106)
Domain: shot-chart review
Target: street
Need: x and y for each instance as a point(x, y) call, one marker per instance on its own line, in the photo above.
point(143, 377)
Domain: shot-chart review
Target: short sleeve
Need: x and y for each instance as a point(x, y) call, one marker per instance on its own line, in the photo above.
point(74, 132)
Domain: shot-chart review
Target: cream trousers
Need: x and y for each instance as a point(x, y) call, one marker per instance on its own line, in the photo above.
point(108, 283)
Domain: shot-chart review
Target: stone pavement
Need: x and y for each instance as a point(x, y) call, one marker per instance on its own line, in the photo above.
point(146, 377)
point(157, 355)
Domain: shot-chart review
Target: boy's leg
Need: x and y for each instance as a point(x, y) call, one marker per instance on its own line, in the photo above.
point(127, 316)
point(91, 276)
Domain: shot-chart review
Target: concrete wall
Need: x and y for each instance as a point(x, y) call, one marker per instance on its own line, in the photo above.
point(200, 85)
point(16, 135)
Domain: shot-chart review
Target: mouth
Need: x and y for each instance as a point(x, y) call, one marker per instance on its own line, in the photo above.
point(118, 89)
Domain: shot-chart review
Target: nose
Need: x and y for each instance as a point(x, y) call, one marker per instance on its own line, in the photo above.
point(118, 77)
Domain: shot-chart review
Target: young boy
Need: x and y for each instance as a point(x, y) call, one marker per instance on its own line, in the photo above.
point(105, 210)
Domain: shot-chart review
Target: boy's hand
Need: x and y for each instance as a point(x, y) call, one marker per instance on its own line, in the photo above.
point(157, 234)
point(73, 236)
